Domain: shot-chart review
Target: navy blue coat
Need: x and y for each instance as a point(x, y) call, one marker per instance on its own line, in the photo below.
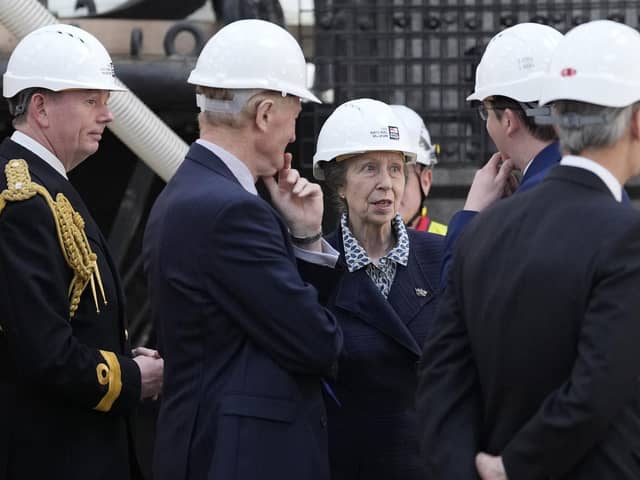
point(374, 433)
point(50, 364)
point(244, 339)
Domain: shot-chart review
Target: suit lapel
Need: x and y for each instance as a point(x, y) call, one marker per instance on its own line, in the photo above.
point(357, 294)
point(411, 289)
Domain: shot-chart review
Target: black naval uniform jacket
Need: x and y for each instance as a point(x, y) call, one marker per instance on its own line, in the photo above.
point(67, 386)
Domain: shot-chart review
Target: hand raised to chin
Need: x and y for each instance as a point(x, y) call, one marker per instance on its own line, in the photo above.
point(297, 199)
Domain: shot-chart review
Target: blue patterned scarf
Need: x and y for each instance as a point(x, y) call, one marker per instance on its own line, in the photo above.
point(384, 272)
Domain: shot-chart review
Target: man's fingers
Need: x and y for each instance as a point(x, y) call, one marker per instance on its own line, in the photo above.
point(505, 170)
point(288, 158)
point(483, 466)
point(490, 467)
point(292, 176)
point(147, 352)
point(310, 190)
point(286, 168)
point(299, 186)
point(494, 161)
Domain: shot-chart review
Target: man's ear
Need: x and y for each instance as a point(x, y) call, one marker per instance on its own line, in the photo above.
point(264, 111)
point(426, 178)
point(635, 125)
point(511, 121)
point(37, 109)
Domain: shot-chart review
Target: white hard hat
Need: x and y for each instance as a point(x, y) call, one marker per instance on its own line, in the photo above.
point(59, 57)
point(514, 63)
point(595, 63)
point(253, 54)
point(358, 126)
point(417, 131)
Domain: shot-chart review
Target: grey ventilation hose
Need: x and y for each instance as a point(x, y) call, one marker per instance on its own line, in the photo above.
point(134, 123)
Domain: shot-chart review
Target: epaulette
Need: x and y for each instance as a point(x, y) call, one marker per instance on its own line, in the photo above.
point(70, 228)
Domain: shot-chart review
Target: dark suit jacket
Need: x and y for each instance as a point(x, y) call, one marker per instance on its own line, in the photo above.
point(547, 158)
point(535, 352)
point(244, 339)
point(373, 434)
point(48, 379)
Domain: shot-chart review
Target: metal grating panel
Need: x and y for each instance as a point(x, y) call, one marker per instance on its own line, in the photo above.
point(423, 53)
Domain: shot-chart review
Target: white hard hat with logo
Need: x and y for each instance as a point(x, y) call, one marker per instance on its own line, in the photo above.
point(515, 62)
point(59, 57)
point(359, 126)
point(417, 131)
point(595, 63)
point(253, 54)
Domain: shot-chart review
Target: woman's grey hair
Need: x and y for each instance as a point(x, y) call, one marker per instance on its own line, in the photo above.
point(335, 177)
point(575, 137)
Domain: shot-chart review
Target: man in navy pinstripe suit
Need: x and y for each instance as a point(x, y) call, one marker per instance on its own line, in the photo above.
point(245, 341)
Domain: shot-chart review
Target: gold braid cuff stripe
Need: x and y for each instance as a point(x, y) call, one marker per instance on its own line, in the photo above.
point(70, 228)
point(112, 375)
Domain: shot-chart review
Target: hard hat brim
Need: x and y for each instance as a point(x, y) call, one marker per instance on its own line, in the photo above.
point(12, 85)
point(607, 92)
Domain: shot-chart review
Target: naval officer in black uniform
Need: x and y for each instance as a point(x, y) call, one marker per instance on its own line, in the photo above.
point(68, 384)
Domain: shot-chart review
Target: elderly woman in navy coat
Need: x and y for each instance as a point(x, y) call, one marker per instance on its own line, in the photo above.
point(382, 290)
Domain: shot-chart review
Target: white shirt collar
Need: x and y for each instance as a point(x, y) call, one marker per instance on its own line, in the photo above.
point(524, 170)
point(40, 150)
point(237, 166)
point(605, 175)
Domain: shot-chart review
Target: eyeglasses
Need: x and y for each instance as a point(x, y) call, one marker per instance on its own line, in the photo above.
point(483, 111)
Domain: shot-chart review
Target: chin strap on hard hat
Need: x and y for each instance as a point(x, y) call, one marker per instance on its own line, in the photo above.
point(235, 105)
point(571, 120)
point(18, 104)
point(532, 109)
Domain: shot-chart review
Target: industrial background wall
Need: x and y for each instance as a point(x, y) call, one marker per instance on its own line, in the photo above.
point(421, 53)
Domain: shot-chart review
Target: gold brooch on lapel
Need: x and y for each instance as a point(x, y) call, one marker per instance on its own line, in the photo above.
point(421, 292)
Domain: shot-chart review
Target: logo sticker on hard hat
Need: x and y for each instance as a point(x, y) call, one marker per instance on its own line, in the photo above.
point(380, 133)
point(394, 133)
point(108, 70)
point(526, 63)
point(568, 72)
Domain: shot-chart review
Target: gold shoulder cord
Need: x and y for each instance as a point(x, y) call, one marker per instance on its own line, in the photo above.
point(70, 227)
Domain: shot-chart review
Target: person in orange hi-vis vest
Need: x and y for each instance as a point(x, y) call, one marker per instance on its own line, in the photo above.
point(413, 207)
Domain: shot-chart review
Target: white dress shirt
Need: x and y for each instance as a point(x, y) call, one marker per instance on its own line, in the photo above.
point(605, 175)
point(30, 144)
